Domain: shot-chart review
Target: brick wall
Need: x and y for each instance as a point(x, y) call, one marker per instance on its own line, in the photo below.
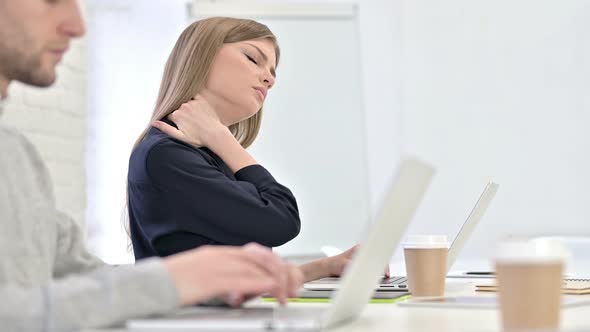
point(54, 119)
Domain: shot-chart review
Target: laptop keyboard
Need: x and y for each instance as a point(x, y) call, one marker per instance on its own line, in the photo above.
point(400, 282)
point(393, 283)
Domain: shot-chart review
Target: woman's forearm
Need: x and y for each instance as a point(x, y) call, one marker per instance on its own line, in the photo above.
point(225, 145)
point(317, 269)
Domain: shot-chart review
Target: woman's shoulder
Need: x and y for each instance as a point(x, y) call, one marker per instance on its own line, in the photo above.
point(159, 147)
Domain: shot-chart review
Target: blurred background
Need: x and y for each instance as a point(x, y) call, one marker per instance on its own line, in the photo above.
point(482, 90)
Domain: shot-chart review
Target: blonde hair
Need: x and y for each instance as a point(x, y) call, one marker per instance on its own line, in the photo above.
point(187, 71)
point(188, 67)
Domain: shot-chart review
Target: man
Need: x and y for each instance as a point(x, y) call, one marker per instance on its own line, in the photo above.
point(48, 281)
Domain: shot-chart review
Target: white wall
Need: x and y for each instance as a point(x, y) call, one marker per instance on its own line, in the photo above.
point(500, 89)
point(54, 119)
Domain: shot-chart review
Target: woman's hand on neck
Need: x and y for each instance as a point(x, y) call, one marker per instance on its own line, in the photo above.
point(199, 125)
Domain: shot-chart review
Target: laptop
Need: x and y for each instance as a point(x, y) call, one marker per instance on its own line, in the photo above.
point(358, 281)
point(400, 283)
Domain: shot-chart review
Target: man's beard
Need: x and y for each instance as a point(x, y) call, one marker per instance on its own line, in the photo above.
point(21, 56)
point(16, 65)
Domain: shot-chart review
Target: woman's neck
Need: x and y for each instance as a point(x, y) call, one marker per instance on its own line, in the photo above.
point(218, 105)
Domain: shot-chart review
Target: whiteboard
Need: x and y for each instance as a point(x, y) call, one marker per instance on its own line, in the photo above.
point(313, 137)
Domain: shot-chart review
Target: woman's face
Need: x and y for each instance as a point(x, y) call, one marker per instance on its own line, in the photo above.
point(239, 80)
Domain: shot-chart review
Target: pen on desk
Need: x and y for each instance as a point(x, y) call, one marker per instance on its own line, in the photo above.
point(480, 273)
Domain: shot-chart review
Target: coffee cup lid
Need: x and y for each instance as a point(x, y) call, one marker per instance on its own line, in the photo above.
point(532, 251)
point(426, 241)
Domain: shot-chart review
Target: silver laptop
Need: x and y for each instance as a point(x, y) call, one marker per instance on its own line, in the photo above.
point(358, 281)
point(400, 283)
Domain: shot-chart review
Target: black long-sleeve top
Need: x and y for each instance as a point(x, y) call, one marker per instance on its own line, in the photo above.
point(181, 197)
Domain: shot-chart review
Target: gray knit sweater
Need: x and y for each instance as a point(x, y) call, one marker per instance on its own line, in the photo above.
point(48, 281)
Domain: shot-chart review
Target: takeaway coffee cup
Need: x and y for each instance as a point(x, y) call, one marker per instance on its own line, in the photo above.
point(529, 276)
point(426, 264)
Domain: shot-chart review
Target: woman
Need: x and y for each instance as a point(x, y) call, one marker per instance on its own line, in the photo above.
point(212, 191)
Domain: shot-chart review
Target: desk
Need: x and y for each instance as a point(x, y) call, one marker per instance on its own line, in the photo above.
point(392, 317)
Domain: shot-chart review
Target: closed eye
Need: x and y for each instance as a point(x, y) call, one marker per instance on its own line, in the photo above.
point(251, 59)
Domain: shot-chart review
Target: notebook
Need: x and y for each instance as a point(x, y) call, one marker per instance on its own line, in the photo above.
point(569, 286)
point(481, 302)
